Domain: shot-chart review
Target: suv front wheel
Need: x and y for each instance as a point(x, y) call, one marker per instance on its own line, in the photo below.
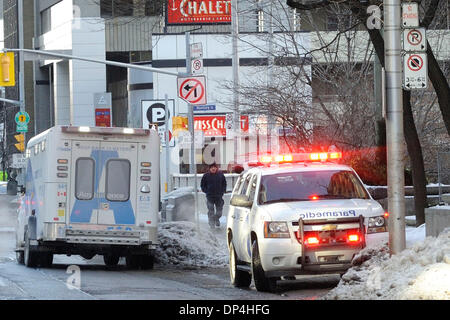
point(238, 277)
point(262, 283)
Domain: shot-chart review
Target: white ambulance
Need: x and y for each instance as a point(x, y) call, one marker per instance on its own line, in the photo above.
point(299, 214)
point(90, 191)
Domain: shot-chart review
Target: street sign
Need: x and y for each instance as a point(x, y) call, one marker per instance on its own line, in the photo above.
point(19, 161)
point(22, 118)
point(102, 107)
point(192, 89)
point(410, 14)
point(415, 71)
point(197, 50)
point(208, 107)
point(188, 12)
point(22, 128)
point(197, 66)
point(154, 112)
point(414, 39)
point(185, 140)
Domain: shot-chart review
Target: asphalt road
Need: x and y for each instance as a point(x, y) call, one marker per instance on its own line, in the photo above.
point(18, 282)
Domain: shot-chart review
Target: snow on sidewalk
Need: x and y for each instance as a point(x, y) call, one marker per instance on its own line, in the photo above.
point(183, 245)
point(422, 271)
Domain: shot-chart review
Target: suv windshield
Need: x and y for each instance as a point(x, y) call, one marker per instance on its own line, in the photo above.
point(311, 185)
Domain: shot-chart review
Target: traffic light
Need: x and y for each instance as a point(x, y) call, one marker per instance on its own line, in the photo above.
point(7, 72)
point(179, 124)
point(20, 146)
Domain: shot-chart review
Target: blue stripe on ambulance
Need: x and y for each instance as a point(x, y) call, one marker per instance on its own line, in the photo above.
point(83, 209)
point(32, 201)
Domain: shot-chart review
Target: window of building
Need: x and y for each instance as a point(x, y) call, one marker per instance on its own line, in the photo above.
point(153, 8)
point(84, 178)
point(296, 21)
point(260, 21)
point(116, 8)
point(46, 20)
point(118, 173)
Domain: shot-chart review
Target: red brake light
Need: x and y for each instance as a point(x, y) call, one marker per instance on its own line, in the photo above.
point(312, 240)
point(314, 197)
point(353, 238)
point(386, 215)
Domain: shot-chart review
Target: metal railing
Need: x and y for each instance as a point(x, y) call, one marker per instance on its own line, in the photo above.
point(187, 180)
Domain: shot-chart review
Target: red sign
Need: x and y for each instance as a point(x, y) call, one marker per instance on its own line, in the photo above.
point(198, 11)
point(103, 117)
point(214, 126)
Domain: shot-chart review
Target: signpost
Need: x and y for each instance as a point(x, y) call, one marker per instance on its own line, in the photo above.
point(410, 14)
point(192, 89)
point(414, 39)
point(415, 71)
point(19, 161)
point(22, 119)
point(415, 66)
point(154, 112)
point(103, 105)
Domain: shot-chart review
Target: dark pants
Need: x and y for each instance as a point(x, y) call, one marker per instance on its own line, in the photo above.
point(217, 203)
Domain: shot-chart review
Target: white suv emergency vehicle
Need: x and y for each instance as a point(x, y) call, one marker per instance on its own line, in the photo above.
point(299, 214)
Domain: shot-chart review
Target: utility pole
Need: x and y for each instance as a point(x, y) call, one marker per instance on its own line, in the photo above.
point(394, 125)
point(235, 63)
point(192, 165)
point(270, 120)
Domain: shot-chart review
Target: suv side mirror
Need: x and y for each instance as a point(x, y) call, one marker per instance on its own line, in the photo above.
point(241, 200)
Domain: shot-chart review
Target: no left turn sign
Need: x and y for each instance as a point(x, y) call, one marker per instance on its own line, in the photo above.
point(192, 89)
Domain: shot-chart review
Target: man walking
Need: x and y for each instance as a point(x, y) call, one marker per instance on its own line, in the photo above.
point(214, 186)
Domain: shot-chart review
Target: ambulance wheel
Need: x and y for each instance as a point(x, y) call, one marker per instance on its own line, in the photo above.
point(132, 262)
point(46, 259)
point(20, 257)
point(238, 278)
point(30, 257)
point(111, 260)
point(262, 283)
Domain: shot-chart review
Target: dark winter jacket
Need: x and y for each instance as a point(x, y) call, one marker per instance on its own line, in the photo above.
point(214, 185)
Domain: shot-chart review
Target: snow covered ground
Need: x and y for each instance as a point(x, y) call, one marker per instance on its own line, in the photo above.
point(184, 245)
point(422, 271)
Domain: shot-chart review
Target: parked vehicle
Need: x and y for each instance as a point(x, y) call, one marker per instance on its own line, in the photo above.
point(299, 214)
point(90, 191)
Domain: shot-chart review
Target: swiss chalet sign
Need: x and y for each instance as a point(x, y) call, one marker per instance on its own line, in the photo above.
point(181, 12)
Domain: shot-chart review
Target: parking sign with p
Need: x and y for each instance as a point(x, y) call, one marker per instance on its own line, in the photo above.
point(154, 113)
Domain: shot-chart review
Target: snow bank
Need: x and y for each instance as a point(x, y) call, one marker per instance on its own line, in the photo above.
point(183, 245)
point(419, 272)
